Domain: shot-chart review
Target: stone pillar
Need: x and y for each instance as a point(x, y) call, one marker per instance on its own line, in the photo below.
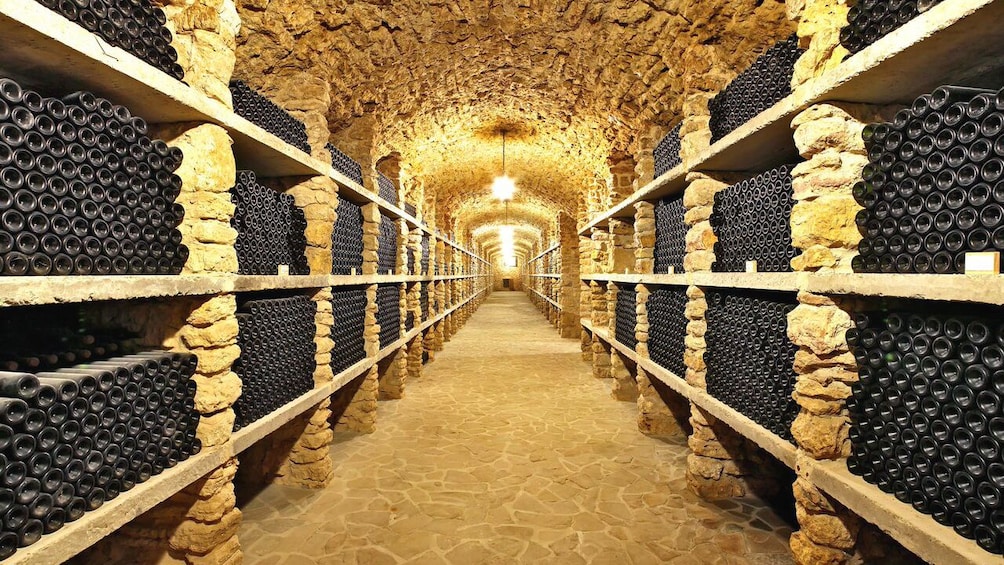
point(318, 198)
point(371, 239)
point(644, 169)
point(429, 343)
point(208, 172)
point(698, 198)
point(415, 349)
point(357, 141)
point(570, 324)
point(622, 370)
point(354, 407)
point(601, 358)
point(205, 36)
point(601, 252)
point(599, 316)
point(622, 240)
point(644, 238)
point(393, 372)
point(818, 26)
point(661, 411)
point(586, 345)
point(641, 320)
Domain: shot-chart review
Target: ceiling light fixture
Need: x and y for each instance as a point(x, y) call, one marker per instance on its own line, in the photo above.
point(503, 187)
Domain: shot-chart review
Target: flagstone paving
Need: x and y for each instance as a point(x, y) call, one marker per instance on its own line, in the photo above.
point(507, 450)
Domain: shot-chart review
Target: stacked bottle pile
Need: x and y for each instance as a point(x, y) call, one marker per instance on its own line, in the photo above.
point(83, 190)
point(750, 357)
point(870, 20)
point(926, 418)
point(270, 229)
point(425, 255)
point(259, 110)
point(763, 84)
point(752, 220)
point(387, 246)
point(386, 189)
point(932, 187)
point(345, 165)
point(80, 435)
point(348, 306)
point(627, 318)
point(409, 316)
point(389, 313)
point(411, 209)
point(136, 26)
point(347, 239)
point(277, 364)
point(667, 328)
point(670, 235)
point(424, 298)
point(667, 152)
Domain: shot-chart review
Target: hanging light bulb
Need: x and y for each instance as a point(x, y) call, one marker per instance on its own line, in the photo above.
point(503, 187)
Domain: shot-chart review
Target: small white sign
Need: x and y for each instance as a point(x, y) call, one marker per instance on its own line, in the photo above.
point(983, 263)
point(353, 271)
point(283, 270)
point(751, 266)
point(671, 270)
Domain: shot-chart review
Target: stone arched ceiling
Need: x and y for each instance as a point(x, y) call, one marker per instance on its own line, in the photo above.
point(572, 81)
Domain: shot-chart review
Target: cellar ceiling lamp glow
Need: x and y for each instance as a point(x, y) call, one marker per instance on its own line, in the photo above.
point(503, 187)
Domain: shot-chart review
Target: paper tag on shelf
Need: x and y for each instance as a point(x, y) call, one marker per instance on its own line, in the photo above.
point(983, 263)
point(353, 271)
point(283, 270)
point(671, 270)
point(751, 266)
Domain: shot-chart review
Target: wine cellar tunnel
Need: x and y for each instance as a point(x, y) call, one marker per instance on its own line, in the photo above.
point(317, 281)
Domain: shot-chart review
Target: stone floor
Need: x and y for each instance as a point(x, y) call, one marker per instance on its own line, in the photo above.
point(507, 451)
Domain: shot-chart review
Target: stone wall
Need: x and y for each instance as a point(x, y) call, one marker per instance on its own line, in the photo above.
point(205, 36)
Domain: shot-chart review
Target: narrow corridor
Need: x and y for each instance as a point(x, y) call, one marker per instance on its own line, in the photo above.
point(507, 450)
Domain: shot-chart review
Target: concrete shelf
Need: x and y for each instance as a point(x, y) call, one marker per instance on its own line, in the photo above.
point(932, 542)
point(670, 182)
point(784, 451)
point(546, 298)
point(544, 252)
point(981, 289)
point(544, 276)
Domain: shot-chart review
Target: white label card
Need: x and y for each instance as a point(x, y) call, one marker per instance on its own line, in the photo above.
point(983, 263)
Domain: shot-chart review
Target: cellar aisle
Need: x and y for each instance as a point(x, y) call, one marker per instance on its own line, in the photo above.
point(507, 450)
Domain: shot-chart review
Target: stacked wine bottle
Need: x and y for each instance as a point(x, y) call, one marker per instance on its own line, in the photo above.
point(255, 108)
point(83, 190)
point(389, 313)
point(348, 307)
point(347, 239)
point(933, 188)
point(750, 358)
point(387, 246)
point(926, 418)
point(270, 229)
point(752, 221)
point(667, 152)
point(277, 359)
point(77, 436)
point(763, 84)
point(345, 164)
point(136, 26)
point(667, 328)
point(871, 20)
point(670, 234)
point(409, 315)
point(626, 309)
point(386, 189)
point(424, 299)
point(411, 209)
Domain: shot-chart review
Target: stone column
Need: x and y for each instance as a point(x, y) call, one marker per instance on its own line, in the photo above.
point(622, 371)
point(429, 343)
point(641, 320)
point(208, 172)
point(393, 372)
point(318, 198)
point(600, 250)
point(354, 407)
point(371, 239)
point(818, 24)
point(205, 36)
point(570, 325)
point(828, 136)
point(601, 358)
point(586, 345)
point(661, 411)
point(415, 349)
point(644, 238)
point(621, 259)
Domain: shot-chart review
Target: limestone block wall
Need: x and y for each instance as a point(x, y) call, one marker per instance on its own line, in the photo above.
point(601, 250)
point(622, 371)
point(393, 374)
point(622, 247)
point(205, 36)
point(644, 238)
point(818, 24)
point(208, 172)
